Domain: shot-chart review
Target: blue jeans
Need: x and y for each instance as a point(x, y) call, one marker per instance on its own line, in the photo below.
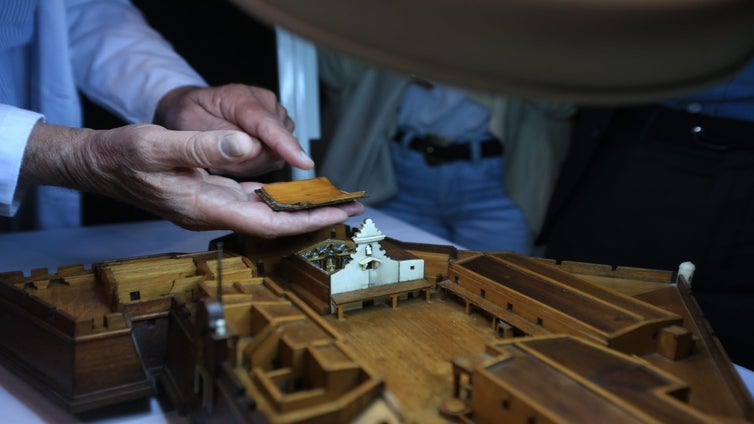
point(462, 201)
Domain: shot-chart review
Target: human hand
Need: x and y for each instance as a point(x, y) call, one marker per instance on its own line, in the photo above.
point(163, 172)
point(253, 110)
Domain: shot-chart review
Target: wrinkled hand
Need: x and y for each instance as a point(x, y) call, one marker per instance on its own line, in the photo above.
point(162, 171)
point(253, 110)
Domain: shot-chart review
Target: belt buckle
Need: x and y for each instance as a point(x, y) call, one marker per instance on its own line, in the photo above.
point(430, 145)
point(429, 151)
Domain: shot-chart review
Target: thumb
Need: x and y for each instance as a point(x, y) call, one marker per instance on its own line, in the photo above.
point(207, 149)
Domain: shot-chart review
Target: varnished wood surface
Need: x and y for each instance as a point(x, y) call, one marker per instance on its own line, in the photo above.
point(499, 312)
point(304, 194)
point(706, 370)
point(560, 302)
point(380, 291)
point(532, 370)
point(554, 276)
point(412, 345)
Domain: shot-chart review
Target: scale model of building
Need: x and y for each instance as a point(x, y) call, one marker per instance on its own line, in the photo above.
point(243, 335)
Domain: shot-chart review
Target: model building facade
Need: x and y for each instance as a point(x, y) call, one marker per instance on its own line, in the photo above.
point(366, 267)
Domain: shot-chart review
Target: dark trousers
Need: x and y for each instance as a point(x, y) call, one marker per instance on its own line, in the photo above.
point(639, 188)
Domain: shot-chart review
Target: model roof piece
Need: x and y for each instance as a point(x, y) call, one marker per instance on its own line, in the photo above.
point(304, 194)
point(550, 379)
point(542, 299)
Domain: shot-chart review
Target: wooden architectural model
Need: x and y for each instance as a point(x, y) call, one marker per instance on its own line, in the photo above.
point(256, 332)
point(284, 362)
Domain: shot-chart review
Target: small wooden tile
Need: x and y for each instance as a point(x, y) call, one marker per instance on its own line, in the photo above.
point(305, 194)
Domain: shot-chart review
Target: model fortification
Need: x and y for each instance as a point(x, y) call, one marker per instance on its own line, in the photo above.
point(348, 325)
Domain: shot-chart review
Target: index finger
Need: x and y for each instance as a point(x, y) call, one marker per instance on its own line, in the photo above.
point(259, 113)
point(277, 138)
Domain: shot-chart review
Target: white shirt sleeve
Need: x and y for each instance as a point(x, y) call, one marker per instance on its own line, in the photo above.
point(120, 62)
point(15, 127)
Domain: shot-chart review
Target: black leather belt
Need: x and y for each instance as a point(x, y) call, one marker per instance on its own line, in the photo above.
point(674, 126)
point(438, 150)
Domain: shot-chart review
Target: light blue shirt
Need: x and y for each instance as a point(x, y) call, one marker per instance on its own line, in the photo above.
point(444, 111)
point(104, 48)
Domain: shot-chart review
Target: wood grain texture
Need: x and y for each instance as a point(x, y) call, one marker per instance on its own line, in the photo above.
point(304, 194)
point(412, 346)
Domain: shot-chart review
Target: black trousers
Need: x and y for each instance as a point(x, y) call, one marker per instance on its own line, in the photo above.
point(639, 188)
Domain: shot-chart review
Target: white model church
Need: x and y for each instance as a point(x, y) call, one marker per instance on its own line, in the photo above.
point(363, 263)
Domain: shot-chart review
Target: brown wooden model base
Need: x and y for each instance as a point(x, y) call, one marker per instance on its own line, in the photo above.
point(249, 345)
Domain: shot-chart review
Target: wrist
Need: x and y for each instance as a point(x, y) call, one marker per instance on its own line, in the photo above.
point(54, 156)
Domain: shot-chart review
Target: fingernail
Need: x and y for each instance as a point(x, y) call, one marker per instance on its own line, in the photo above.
point(306, 157)
point(231, 146)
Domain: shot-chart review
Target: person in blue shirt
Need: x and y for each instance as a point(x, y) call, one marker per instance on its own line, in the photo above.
point(473, 167)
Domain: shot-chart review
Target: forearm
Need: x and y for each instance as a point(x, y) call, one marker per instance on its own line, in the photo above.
point(54, 155)
point(115, 163)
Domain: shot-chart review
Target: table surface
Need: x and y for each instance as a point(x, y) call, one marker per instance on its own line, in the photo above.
point(25, 251)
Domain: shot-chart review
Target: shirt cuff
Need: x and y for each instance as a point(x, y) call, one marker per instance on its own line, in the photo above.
point(15, 127)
